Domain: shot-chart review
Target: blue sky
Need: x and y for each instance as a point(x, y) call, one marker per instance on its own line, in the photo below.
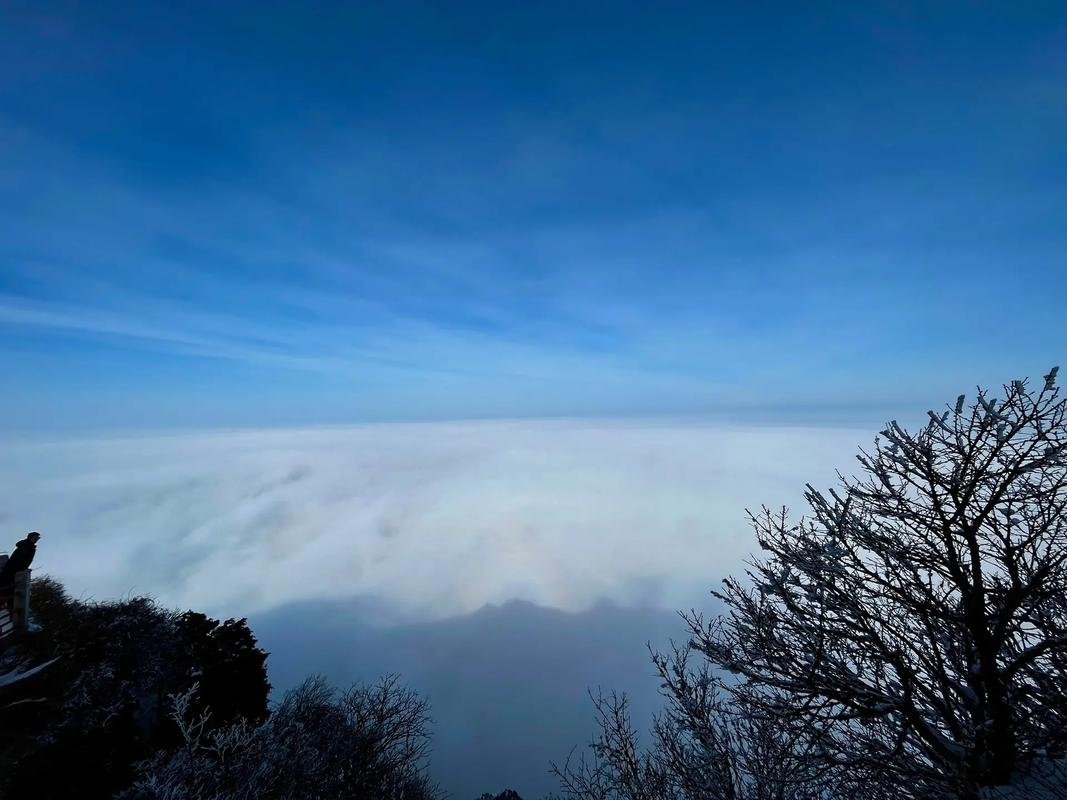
point(278, 213)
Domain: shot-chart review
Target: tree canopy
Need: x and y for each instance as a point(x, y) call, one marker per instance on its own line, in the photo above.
point(907, 638)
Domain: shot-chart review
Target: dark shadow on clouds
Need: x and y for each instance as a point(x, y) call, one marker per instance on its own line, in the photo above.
point(509, 684)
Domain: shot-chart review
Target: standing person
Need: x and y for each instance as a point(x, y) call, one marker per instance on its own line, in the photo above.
point(21, 559)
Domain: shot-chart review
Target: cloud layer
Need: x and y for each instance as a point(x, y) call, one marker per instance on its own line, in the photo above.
point(508, 685)
point(428, 519)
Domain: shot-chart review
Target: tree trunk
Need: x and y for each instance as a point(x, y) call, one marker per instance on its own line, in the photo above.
point(998, 747)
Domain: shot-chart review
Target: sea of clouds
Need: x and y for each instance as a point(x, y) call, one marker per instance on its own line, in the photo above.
point(504, 569)
point(429, 520)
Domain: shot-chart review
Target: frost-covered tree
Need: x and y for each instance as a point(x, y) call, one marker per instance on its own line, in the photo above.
point(912, 631)
point(78, 728)
point(908, 639)
point(369, 743)
point(705, 745)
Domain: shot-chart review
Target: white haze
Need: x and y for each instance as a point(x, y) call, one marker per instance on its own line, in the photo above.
point(429, 520)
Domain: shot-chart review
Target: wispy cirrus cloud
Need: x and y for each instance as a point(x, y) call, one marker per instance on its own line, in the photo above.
point(495, 227)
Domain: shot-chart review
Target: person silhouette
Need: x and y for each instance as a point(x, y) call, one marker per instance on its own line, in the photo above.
point(21, 559)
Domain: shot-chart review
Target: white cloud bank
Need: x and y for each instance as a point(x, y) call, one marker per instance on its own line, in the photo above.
point(432, 519)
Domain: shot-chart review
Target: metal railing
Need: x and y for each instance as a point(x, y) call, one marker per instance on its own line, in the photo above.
point(14, 603)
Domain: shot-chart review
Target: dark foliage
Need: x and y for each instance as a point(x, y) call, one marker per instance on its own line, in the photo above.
point(152, 704)
point(223, 659)
point(101, 707)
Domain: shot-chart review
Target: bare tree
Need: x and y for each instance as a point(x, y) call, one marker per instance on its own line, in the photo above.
point(615, 767)
point(369, 743)
point(719, 745)
point(912, 632)
point(705, 745)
